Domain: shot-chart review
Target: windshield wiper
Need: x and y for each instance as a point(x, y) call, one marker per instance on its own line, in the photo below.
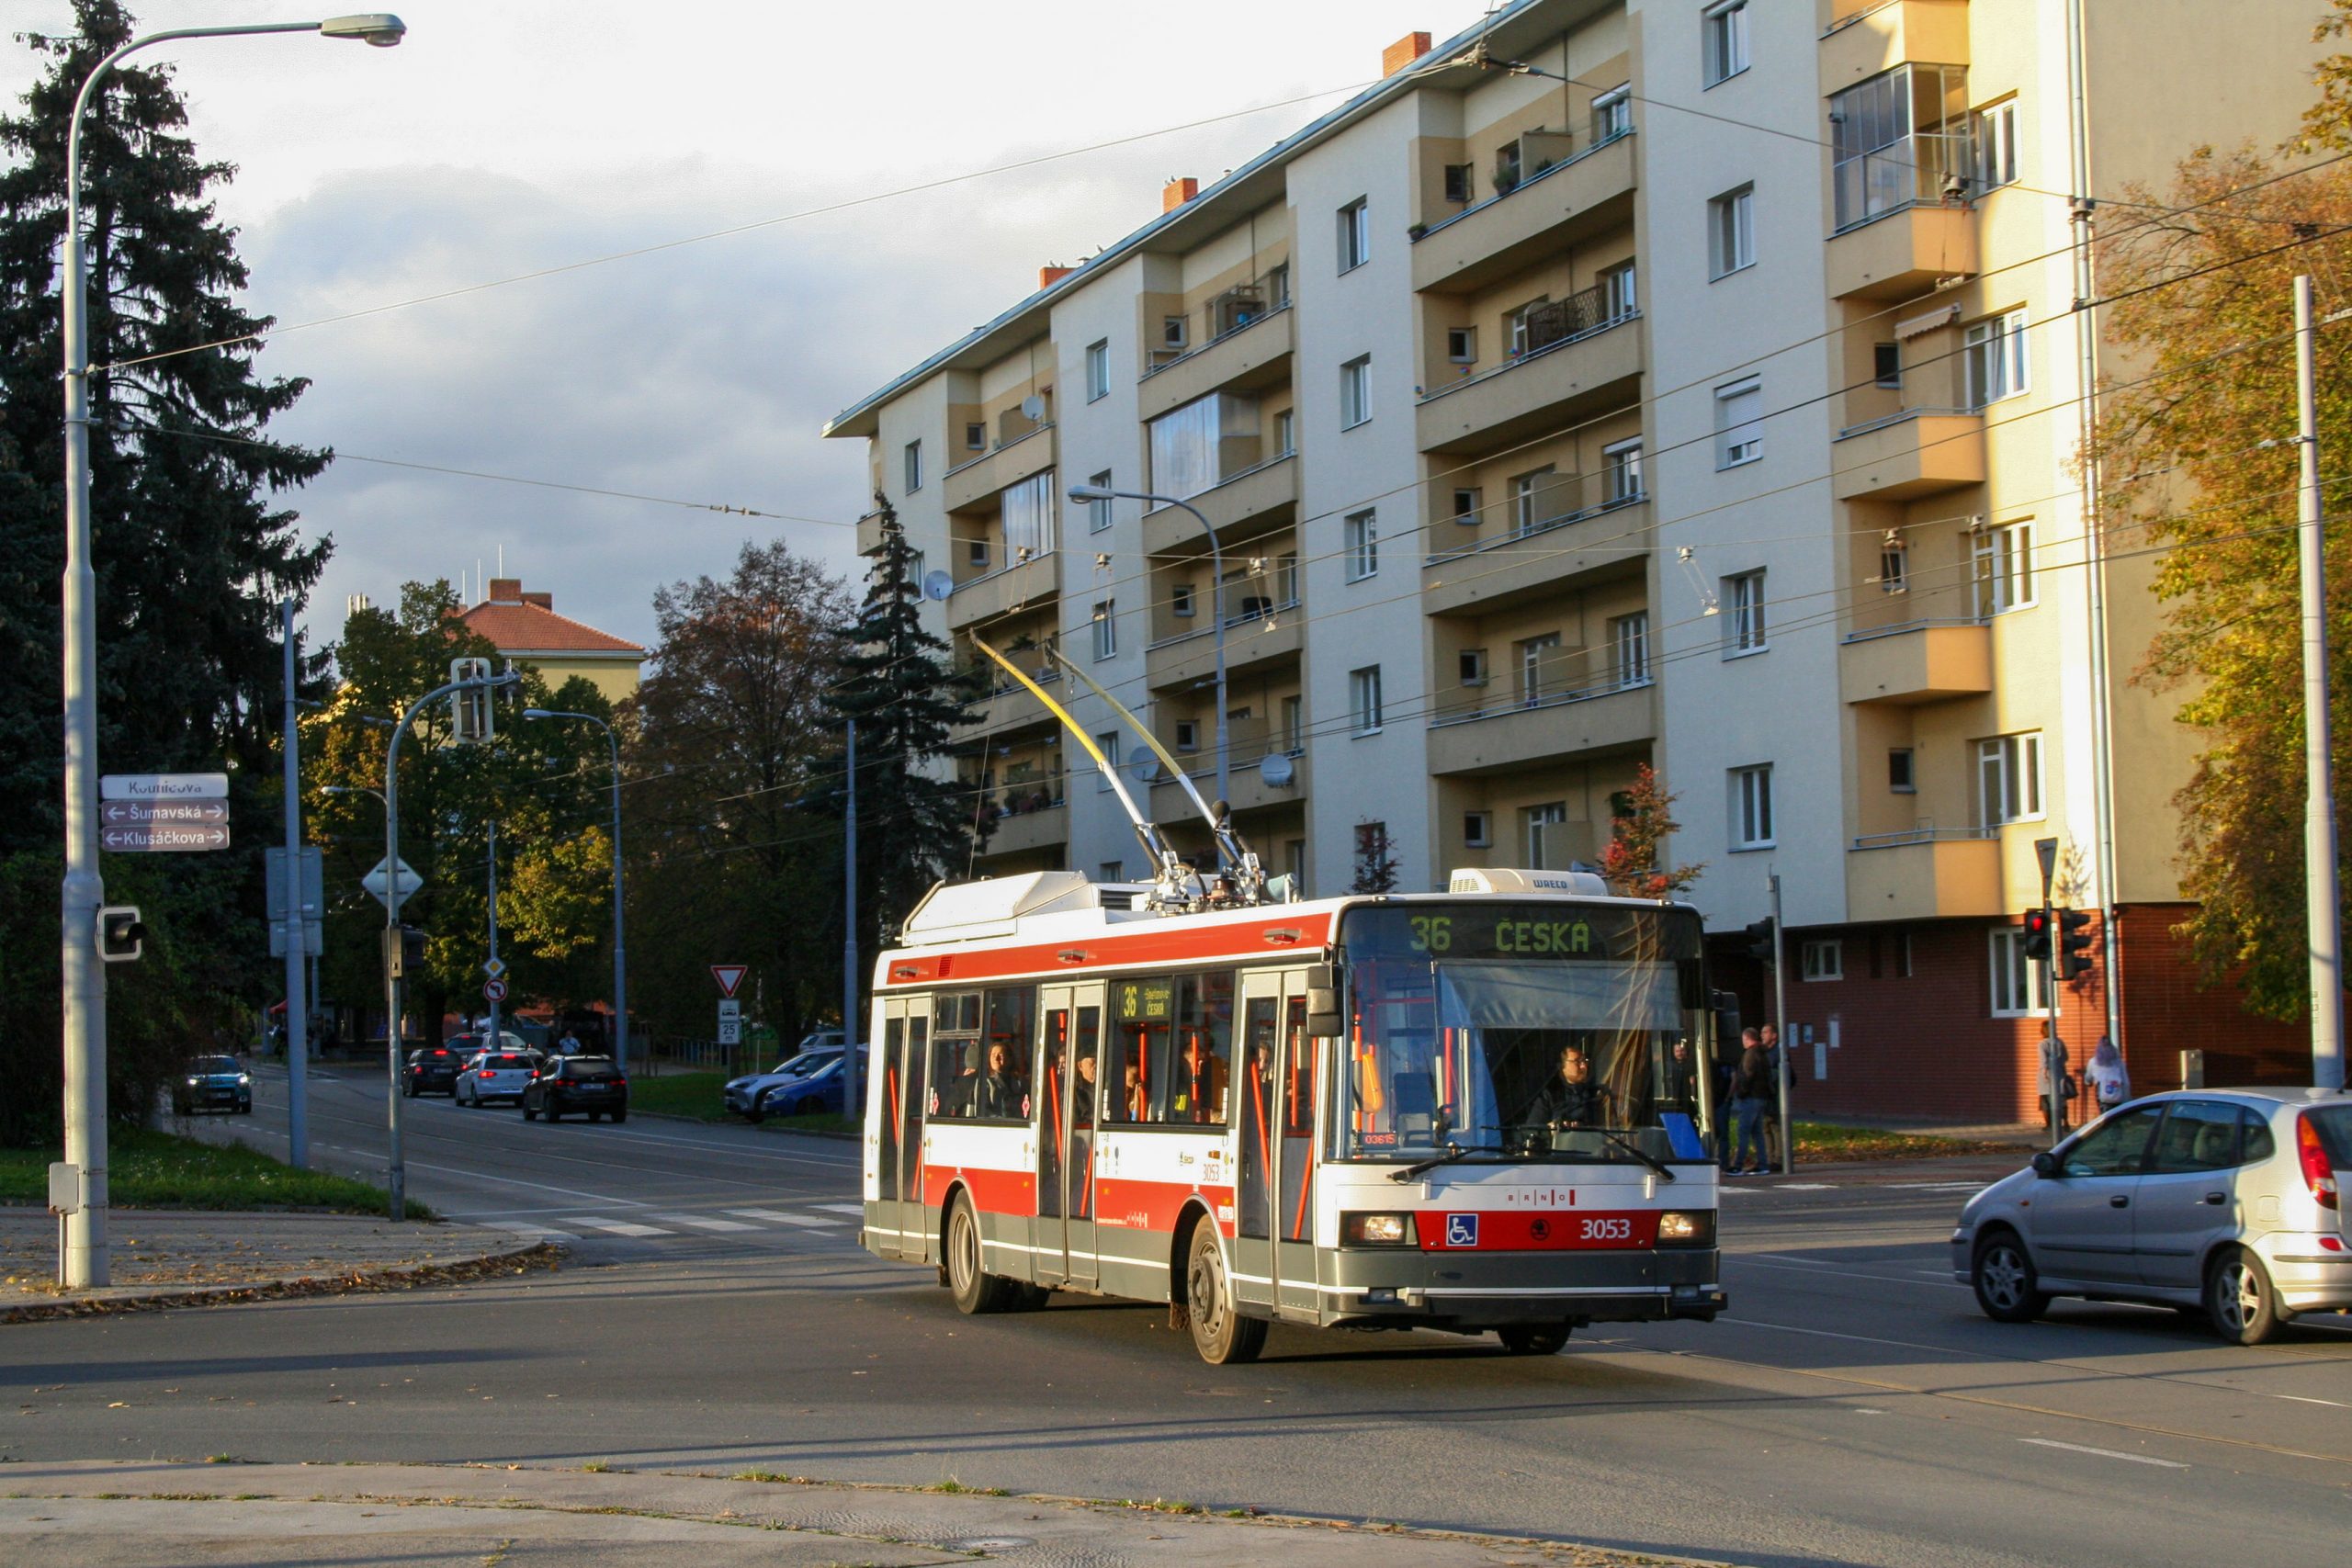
point(1452, 1152)
point(1636, 1151)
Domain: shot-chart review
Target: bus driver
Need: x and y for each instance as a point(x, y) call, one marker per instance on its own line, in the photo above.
point(1569, 1099)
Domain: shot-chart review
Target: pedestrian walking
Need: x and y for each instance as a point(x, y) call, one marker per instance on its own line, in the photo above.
point(2057, 1084)
point(1751, 1081)
point(2109, 1079)
point(1770, 1036)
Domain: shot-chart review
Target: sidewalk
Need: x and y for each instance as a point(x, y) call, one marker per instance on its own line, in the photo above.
point(169, 1257)
point(97, 1514)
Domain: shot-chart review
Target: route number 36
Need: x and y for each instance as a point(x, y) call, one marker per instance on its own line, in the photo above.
point(1433, 933)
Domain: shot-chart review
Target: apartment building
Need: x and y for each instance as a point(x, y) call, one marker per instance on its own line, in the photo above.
point(1689, 383)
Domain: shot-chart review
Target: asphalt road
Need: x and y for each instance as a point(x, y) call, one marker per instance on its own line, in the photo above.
point(1853, 1408)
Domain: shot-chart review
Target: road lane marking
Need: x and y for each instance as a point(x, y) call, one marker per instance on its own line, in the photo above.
point(777, 1216)
point(858, 1209)
point(2104, 1453)
point(535, 1233)
point(700, 1223)
point(730, 1148)
point(518, 1181)
point(1841, 1270)
point(2306, 1399)
point(623, 1227)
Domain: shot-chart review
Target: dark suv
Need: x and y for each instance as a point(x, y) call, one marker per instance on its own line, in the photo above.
point(433, 1070)
point(591, 1084)
point(214, 1083)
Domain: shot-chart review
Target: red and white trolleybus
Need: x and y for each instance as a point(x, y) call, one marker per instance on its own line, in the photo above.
point(1483, 1110)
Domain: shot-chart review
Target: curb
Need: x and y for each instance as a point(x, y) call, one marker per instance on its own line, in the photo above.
point(518, 1260)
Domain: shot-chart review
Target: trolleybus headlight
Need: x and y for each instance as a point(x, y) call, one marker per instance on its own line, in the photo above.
point(1377, 1230)
point(1680, 1228)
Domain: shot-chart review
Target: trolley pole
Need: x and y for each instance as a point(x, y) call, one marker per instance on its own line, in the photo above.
point(852, 1107)
point(1780, 1025)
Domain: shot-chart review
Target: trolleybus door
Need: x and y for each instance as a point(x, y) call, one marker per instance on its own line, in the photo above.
point(1298, 1084)
point(1254, 1199)
point(906, 1031)
point(1069, 1040)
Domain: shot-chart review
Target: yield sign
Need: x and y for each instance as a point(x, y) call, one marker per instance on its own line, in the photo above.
point(729, 976)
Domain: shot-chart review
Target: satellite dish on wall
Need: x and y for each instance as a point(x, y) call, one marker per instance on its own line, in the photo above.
point(1145, 767)
point(1276, 769)
point(937, 585)
point(1032, 407)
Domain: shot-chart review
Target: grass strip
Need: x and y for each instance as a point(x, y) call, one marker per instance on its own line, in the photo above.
point(696, 1096)
point(162, 1170)
point(1826, 1143)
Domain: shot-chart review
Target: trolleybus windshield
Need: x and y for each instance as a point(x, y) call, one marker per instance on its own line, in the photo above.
point(1522, 1031)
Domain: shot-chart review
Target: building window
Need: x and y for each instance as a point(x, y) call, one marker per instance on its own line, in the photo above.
point(1098, 370)
point(1467, 505)
point(1285, 433)
point(914, 467)
point(976, 554)
point(976, 436)
point(1547, 848)
point(1471, 663)
point(1743, 623)
point(1188, 735)
point(2009, 778)
point(1294, 711)
point(1618, 299)
point(1278, 287)
point(1739, 423)
point(1902, 955)
point(1523, 324)
point(1997, 144)
point(1106, 629)
point(1899, 139)
point(1355, 234)
point(1108, 744)
point(1363, 699)
point(1539, 661)
point(1172, 332)
point(1507, 167)
point(1111, 871)
point(1621, 472)
point(1285, 579)
point(1723, 38)
point(1458, 186)
point(1993, 358)
point(1731, 232)
point(1029, 519)
point(1355, 392)
point(1893, 566)
point(1886, 366)
point(1824, 958)
point(2020, 983)
point(1612, 114)
point(1462, 345)
point(1180, 600)
point(1900, 778)
point(1363, 546)
point(1530, 493)
point(1191, 443)
point(2001, 568)
point(1629, 636)
point(1098, 513)
point(1478, 829)
point(1751, 808)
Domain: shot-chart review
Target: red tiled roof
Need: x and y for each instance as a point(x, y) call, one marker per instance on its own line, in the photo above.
point(531, 629)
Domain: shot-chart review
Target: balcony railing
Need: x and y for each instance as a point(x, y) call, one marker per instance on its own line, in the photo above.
point(1586, 313)
point(1597, 493)
point(1910, 172)
point(1899, 416)
point(1871, 634)
point(1925, 834)
point(1498, 708)
point(1615, 129)
point(1230, 313)
point(1021, 797)
point(1253, 607)
point(1027, 429)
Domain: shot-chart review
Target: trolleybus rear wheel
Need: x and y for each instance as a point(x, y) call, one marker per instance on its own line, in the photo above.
point(1534, 1338)
point(1220, 1333)
point(974, 1290)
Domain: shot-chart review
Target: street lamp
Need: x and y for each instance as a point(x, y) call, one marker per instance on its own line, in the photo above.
point(1083, 494)
point(83, 889)
point(620, 949)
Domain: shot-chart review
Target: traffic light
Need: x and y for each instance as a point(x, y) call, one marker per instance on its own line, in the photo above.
point(404, 951)
point(2074, 944)
point(1763, 943)
point(2037, 934)
point(475, 720)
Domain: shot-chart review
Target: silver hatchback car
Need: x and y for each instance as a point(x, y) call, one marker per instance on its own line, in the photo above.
point(2231, 1201)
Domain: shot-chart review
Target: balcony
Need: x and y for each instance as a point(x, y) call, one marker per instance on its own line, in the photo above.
point(1595, 365)
point(1248, 780)
point(1925, 873)
point(1011, 706)
point(1908, 455)
point(1252, 353)
point(1030, 451)
point(1001, 592)
point(1875, 37)
point(1921, 661)
point(869, 534)
point(1186, 660)
point(1508, 733)
point(1606, 537)
point(1905, 252)
point(1239, 507)
point(1549, 210)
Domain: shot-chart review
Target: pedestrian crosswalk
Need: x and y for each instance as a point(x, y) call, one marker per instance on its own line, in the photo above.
point(838, 1219)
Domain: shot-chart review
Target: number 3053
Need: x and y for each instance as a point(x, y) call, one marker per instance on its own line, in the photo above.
point(1608, 1229)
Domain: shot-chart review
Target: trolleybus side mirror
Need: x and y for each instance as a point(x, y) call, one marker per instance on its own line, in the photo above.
point(1323, 1012)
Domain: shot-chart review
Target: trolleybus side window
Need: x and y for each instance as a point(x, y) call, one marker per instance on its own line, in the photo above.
point(1004, 1064)
point(1135, 1087)
point(1198, 1079)
point(1171, 1049)
point(980, 1073)
point(954, 1054)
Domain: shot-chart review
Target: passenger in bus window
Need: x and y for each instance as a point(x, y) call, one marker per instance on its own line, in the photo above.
point(1082, 1091)
point(996, 1092)
point(1681, 1089)
point(1137, 1099)
point(1571, 1099)
point(1200, 1084)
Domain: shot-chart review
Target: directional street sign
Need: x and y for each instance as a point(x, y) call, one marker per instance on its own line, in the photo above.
point(163, 838)
point(163, 786)
point(495, 967)
point(729, 976)
point(382, 884)
point(494, 990)
point(179, 813)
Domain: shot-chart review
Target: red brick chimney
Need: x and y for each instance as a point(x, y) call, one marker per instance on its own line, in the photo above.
point(1403, 52)
point(1052, 273)
point(505, 590)
point(1176, 193)
point(544, 601)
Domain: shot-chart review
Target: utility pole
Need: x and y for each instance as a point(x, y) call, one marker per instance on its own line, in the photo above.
point(852, 1107)
point(494, 1041)
point(298, 924)
point(2321, 894)
point(2053, 1083)
point(1781, 1026)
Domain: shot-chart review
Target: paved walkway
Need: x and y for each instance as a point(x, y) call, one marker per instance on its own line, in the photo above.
point(97, 1514)
point(164, 1256)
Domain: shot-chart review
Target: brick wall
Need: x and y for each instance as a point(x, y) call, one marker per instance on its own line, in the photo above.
point(2166, 1012)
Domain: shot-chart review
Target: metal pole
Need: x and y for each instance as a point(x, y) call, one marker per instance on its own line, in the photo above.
point(1217, 565)
point(2323, 896)
point(1781, 1027)
point(621, 940)
point(495, 1007)
point(297, 925)
point(851, 1105)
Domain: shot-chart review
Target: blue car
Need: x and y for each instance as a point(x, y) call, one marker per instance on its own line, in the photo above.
point(220, 1083)
point(819, 1092)
point(748, 1096)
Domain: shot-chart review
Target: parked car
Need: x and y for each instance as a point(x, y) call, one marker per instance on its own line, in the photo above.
point(747, 1096)
point(590, 1084)
point(2230, 1201)
point(214, 1083)
point(819, 1091)
point(474, 1041)
point(494, 1075)
point(433, 1070)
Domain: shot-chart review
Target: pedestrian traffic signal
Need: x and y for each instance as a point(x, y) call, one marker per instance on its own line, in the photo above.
point(2074, 944)
point(1763, 943)
point(2037, 934)
point(403, 952)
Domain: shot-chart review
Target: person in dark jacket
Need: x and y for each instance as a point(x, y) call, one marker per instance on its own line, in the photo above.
point(1571, 1099)
point(1751, 1084)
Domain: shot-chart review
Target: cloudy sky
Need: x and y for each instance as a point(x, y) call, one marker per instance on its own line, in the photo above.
point(508, 137)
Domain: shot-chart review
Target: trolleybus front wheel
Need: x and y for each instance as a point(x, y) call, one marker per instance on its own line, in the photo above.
point(974, 1290)
point(1220, 1333)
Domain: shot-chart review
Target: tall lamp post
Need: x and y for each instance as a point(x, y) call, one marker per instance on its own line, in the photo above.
point(84, 890)
point(1084, 493)
point(620, 937)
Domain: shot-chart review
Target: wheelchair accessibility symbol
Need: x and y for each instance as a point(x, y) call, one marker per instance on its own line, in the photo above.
point(1461, 1230)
